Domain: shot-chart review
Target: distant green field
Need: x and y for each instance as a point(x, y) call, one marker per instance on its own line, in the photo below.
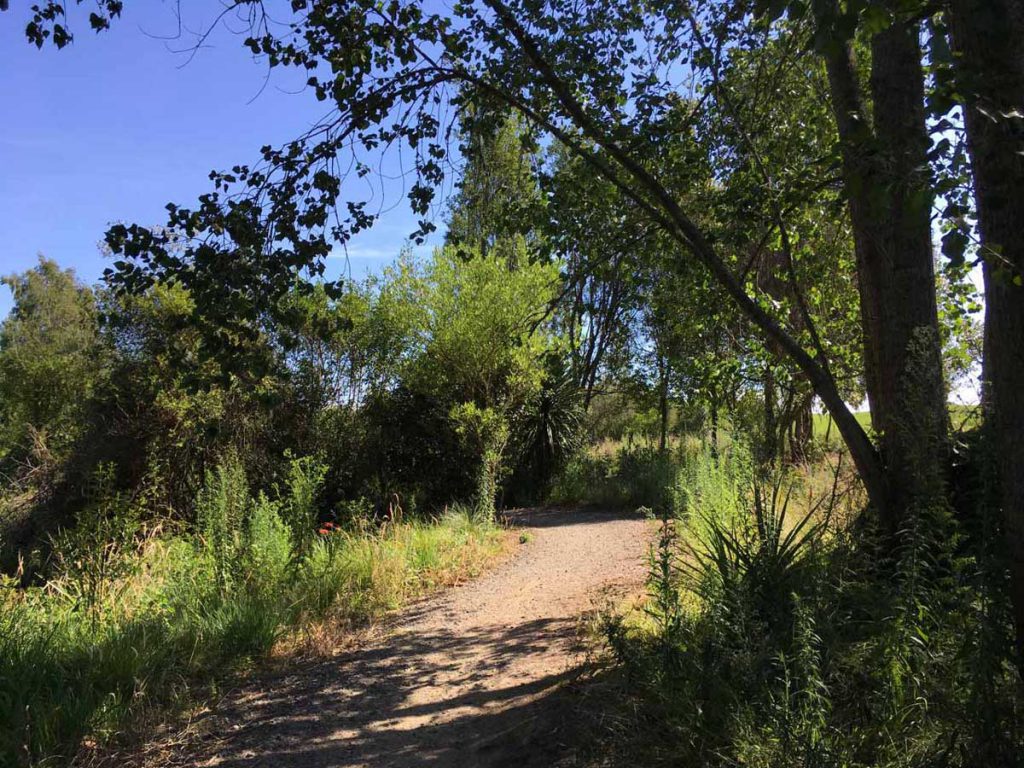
point(963, 417)
point(824, 425)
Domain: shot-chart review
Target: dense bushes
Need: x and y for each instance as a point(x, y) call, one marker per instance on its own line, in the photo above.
point(684, 478)
point(156, 526)
point(376, 382)
point(131, 618)
point(781, 628)
point(631, 477)
point(776, 635)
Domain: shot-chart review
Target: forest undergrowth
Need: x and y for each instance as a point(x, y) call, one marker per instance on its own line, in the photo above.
point(782, 628)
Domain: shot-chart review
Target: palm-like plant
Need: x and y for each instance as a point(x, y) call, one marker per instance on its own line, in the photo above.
point(549, 431)
point(752, 569)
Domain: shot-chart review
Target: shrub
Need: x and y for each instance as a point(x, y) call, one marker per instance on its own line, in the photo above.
point(633, 477)
point(583, 479)
point(713, 486)
point(167, 615)
point(646, 477)
point(94, 555)
point(268, 544)
point(221, 508)
point(305, 481)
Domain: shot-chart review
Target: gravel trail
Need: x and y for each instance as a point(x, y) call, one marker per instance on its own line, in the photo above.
point(472, 676)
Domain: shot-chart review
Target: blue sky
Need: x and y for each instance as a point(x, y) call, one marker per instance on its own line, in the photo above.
point(117, 125)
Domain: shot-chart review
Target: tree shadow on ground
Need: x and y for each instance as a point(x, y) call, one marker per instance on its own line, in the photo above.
point(555, 517)
point(361, 708)
point(481, 675)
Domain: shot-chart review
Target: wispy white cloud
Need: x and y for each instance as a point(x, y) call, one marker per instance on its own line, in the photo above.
point(355, 252)
point(376, 253)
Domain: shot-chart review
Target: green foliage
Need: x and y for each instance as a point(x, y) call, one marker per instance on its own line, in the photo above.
point(665, 607)
point(221, 510)
point(549, 431)
point(714, 485)
point(51, 360)
point(675, 222)
point(93, 555)
point(160, 619)
point(268, 543)
point(498, 207)
point(487, 432)
point(793, 728)
point(485, 340)
point(167, 413)
point(634, 477)
point(345, 350)
point(581, 480)
point(483, 351)
point(778, 642)
point(305, 482)
point(749, 568)
point(424, 382)
point(414, 450)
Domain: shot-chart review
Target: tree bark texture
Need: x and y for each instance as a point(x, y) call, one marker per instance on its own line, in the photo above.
point(989, 41)
point(886, 176)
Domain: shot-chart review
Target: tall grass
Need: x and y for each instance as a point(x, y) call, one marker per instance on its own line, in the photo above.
point(777, 635)
point(684, 478)
point(183, 610)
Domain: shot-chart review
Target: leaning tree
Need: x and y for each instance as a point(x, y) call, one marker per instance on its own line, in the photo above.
point(606, 81)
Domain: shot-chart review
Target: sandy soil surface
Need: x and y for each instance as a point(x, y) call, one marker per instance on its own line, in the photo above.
point(474, 676)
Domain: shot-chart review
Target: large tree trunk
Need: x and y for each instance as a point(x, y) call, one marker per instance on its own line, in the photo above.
point(888, 187)
point(988, 35)
point(802, 431)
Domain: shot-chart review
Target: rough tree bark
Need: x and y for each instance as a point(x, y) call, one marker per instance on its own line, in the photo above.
point(801, 431)
point(886, 177)
point(988, 37)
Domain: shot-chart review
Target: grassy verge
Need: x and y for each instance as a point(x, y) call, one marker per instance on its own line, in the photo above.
point(124, 632)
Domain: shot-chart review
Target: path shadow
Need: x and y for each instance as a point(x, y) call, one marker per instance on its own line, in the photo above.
point(360, 708)
point(557, 517)
point(449, 686)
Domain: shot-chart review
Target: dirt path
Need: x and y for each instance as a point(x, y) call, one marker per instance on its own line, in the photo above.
point(470, 677)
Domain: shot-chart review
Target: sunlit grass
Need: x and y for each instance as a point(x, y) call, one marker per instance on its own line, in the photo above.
point(962, 418)
point(67, 675)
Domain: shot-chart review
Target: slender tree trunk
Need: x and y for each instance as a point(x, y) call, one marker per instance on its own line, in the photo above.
point(663, 403)
point(714, 429)
point(889, 192)
point(769, 266)
point(770, 437)
point(989, 35)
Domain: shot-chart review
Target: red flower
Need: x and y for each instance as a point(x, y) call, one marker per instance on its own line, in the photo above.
point(323, 531)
